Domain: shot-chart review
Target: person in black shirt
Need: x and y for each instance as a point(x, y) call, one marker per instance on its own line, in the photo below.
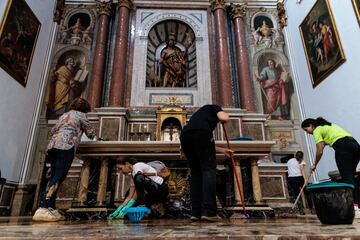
point(198, 145)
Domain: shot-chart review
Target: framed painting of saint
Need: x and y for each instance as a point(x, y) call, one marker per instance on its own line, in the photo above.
point(356, 4)
point(321, 42)
point(19, 30)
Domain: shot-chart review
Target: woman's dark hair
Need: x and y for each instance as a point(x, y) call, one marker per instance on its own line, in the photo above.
point(299, 154)
point(315, 122)
point(80, 104)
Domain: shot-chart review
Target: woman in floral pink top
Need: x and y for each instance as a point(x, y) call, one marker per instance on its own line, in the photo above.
point(65, 137)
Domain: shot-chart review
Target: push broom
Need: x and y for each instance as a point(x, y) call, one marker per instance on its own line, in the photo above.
point(246, 215)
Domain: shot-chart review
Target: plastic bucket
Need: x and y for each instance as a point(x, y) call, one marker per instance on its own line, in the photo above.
point(334, 202)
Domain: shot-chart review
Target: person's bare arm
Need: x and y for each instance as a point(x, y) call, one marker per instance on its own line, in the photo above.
point(223, 117)
point(319, 152)
point(302, 170)
point(226, 151)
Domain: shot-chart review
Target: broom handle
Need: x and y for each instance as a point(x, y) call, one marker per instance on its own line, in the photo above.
point(235, 171)
point(302, 190)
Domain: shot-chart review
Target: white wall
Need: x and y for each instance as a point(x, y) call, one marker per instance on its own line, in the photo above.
point(337, 98)
point(18, 105)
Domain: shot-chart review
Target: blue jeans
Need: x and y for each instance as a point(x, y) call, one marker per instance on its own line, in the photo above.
point(60, 161)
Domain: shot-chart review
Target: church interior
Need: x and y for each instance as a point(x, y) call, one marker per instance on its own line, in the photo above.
point(146, 67)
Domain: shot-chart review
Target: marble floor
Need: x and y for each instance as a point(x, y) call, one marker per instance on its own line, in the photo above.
point(307, 227)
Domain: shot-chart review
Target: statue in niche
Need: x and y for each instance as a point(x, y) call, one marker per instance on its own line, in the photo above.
point(174, 63)
point(68, 85)
point(76, 32)
point(263, 31)
point(273, 83)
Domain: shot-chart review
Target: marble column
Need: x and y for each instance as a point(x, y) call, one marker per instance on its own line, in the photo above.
point(237, 193)
point(222, 55)
point(118, 76)
point(101, 194)
point(256, 181)
point(98, 66)
point(84, 182)
point(246, 93)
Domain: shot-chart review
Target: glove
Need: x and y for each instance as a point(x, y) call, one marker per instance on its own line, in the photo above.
point(123, 211)
point(116, 212)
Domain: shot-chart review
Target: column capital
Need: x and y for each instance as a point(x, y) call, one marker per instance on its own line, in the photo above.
point(217, 4)
point(238, 10)
point(126, 3)
point(104, 8)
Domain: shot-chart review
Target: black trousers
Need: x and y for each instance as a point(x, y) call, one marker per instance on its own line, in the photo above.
point(295, 185)
point(347, 155)
point(155, 193)
point(60, 162)
point(199, 148)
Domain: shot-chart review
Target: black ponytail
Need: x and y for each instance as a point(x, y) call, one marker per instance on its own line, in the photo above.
point(315, 122)
point(321, 122)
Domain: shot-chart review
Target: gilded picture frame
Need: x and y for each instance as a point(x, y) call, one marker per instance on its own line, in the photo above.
point(356, 4)
point(19, 31)
point(321, 42)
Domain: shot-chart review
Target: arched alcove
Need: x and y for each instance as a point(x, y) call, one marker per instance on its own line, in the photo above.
point(177, 69)
point(171, 129)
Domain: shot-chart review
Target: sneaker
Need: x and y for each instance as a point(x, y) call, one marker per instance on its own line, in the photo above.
point(57, 214)
point(215, 218)
point(195, 219)
point(44, 214)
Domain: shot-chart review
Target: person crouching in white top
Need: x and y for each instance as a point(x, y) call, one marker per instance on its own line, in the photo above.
point(147, 187)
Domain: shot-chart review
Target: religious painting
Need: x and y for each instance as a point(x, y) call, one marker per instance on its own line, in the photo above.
point(18, 34)
point(356, 4)
point(321, 42)
point(274, 82)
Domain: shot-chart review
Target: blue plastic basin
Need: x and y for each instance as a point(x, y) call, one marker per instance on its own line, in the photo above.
point(135, 214)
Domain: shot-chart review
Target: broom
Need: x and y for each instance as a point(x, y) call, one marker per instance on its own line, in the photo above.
point(246, 215)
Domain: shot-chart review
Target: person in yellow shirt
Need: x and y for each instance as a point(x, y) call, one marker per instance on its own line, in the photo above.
point(347, 149)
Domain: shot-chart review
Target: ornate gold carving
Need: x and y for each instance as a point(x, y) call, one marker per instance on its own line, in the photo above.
point(169, 111)
point(217, 4)
point(104, 8)
point(126, 3)
point(281, 14)
point(238, 10)
point(282, 138)
point(172, 100)
point(59, 9)
point(177, 186)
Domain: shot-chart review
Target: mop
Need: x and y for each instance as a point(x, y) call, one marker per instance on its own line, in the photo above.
point(246, 215)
